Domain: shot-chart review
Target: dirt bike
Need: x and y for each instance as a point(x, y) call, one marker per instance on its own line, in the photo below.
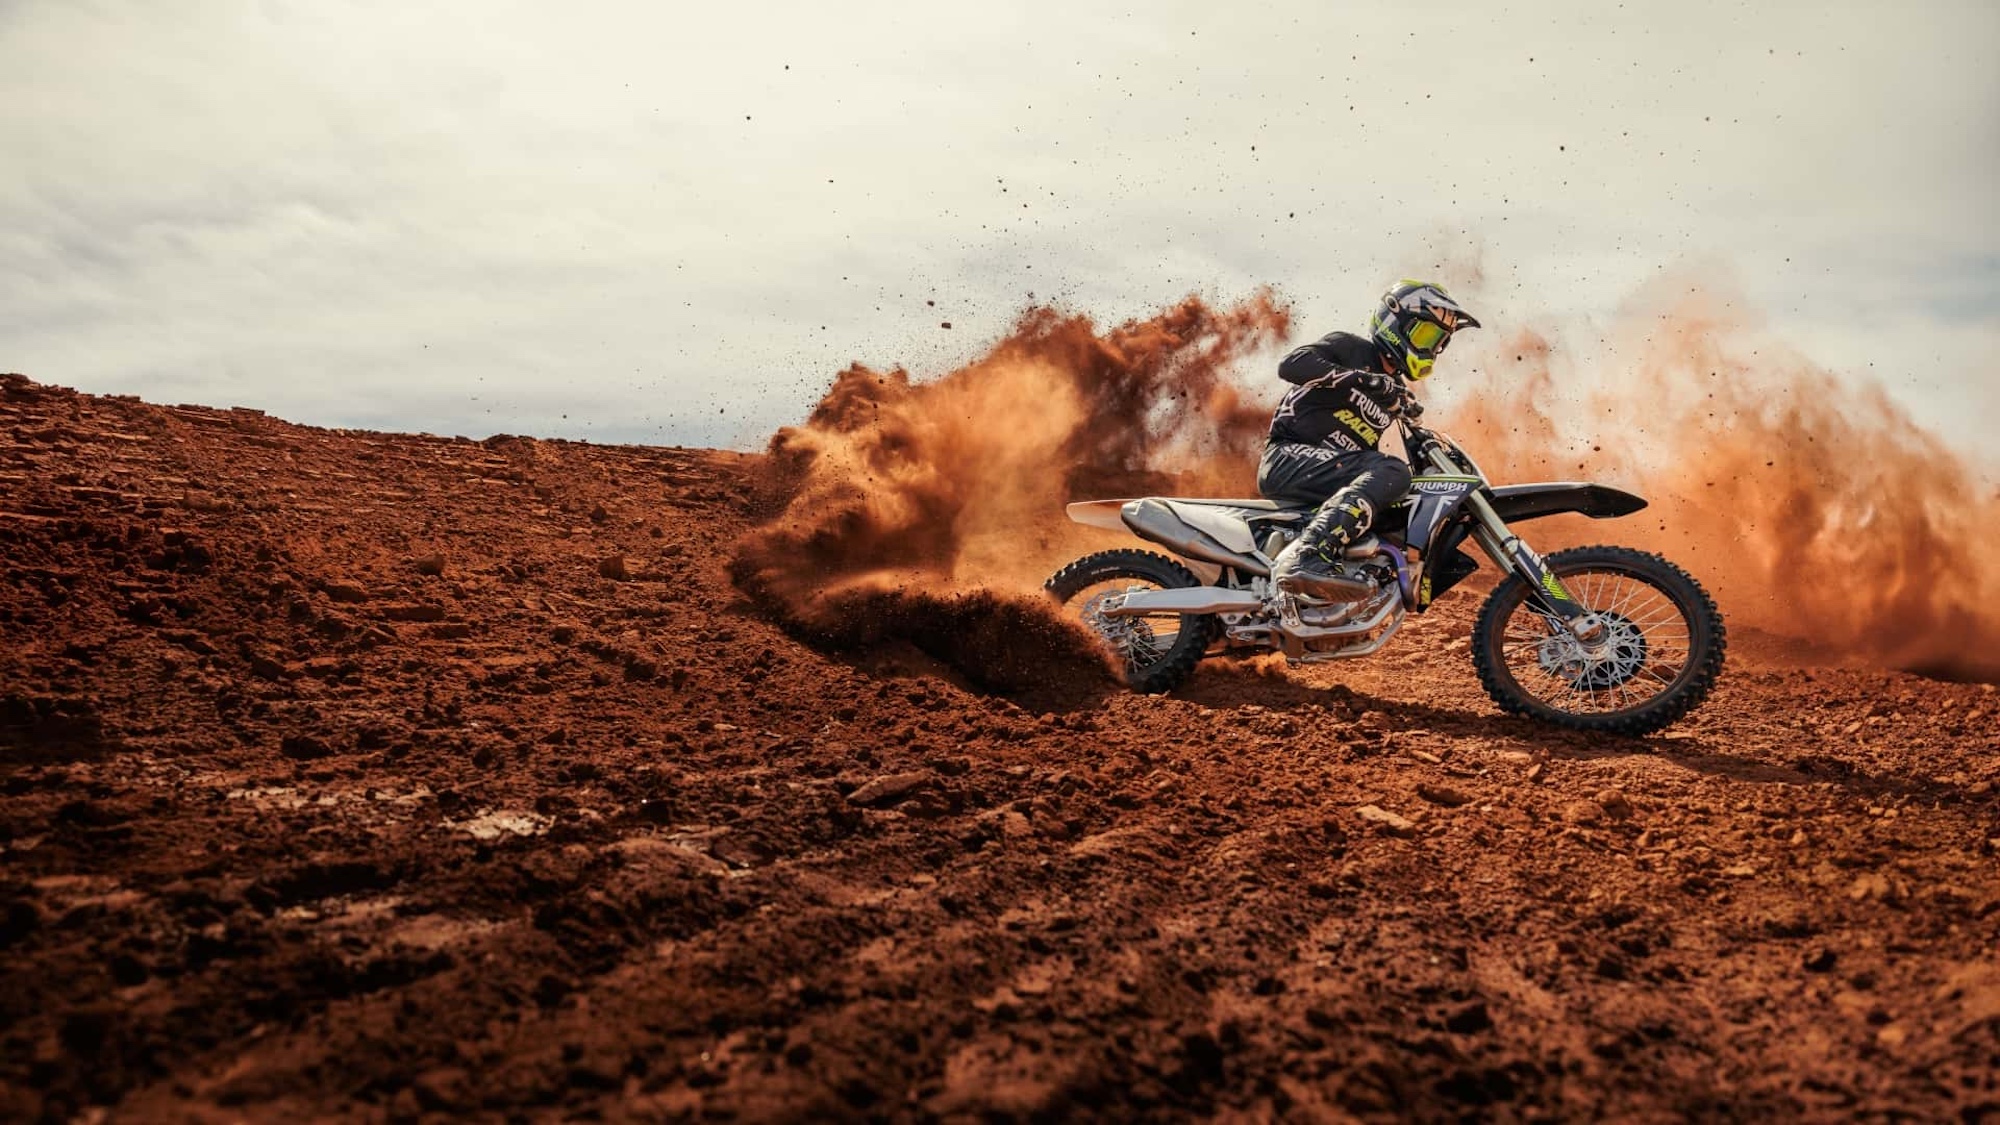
point(1594, 638)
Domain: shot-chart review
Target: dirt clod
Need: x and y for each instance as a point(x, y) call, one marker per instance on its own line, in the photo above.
point(1389, 822)
point(888, 788)
point(1442, 795)
point(1469, 1018)
point(1583, 812)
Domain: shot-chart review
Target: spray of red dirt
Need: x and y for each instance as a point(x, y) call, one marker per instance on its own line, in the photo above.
point(1812, 508)
point(897, 493)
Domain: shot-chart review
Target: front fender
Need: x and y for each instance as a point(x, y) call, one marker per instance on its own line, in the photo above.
point(1531, 501)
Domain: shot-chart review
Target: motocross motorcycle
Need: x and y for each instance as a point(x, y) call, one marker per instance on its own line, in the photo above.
point(1594, 638)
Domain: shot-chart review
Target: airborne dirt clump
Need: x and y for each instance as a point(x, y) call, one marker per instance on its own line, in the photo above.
point(294, 827)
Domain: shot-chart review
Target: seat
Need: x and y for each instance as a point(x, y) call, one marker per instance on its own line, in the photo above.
point(1227, 522)
point(1259, 505)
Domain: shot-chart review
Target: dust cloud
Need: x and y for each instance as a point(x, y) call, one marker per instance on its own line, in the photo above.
point(963, 478)
point(1812, 508)
point(928, 513)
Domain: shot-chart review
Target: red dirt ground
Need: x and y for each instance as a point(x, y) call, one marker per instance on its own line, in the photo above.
point(365, 776)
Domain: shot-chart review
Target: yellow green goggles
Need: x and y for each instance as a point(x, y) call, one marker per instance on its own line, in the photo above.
point(1426, 336)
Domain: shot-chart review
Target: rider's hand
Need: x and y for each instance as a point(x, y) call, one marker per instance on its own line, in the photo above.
point(1407, 405)
point(1401, 400)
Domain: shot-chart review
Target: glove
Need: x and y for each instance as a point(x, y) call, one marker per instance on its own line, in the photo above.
point(1403, 399)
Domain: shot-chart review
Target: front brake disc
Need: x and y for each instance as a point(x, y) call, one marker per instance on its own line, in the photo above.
point(1609, 663)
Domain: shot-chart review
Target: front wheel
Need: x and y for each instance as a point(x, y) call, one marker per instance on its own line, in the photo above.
point(1658, 658)
point(1157, 651)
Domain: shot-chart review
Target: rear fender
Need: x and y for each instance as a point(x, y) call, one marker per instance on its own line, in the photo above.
point(1099, 513)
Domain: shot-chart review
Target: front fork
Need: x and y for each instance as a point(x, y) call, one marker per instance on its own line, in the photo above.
point(1511, 555)
point(1515, 557)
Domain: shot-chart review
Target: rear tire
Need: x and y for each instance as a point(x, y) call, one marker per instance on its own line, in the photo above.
point(1502, 658)
point(1144, 670)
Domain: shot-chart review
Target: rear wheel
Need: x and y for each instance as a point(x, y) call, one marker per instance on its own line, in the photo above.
point(1658, 658)
point(1158, 651)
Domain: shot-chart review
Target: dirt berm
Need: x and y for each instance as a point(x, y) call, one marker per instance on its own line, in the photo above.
point(361, 776)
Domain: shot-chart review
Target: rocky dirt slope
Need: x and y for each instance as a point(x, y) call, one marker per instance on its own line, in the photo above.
point(350, 775)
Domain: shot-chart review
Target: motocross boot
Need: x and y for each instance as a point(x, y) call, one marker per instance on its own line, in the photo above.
point(1310, 565)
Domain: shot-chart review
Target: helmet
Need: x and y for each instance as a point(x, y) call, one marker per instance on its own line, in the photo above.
point(1414, 324)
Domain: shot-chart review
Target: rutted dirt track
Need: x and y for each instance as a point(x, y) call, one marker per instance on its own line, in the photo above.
point(357, 776)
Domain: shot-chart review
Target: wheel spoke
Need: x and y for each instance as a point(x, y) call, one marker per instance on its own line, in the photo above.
point(1648, 650)
point(1139, 642)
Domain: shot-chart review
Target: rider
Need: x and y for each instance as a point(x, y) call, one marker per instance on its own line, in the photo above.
point(1323, 443)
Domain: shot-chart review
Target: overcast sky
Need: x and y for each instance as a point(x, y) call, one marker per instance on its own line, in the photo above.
point(673, 223)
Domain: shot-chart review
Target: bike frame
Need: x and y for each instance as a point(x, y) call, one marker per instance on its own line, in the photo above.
point(1450, 501)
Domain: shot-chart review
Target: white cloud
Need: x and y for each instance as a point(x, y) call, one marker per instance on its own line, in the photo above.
point(475, 217)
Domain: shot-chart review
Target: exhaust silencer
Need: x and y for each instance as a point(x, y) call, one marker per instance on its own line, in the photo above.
point(1192, 599)
point(1152, 519)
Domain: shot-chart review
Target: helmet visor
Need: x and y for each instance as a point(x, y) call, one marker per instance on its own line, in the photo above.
point(1427, 336)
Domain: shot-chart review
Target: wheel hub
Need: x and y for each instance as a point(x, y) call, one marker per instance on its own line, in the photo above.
point(1616, 655)
point(1131, 637)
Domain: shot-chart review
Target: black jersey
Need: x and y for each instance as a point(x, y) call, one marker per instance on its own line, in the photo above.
point(1340, 398)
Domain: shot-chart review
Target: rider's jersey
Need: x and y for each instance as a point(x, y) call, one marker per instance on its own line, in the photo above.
point(1340, 400)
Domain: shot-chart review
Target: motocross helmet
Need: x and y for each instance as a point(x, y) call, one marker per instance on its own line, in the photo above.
point(1414, 324)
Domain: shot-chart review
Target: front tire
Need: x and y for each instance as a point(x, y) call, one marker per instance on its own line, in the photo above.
point(1659, 660)
point(1156, 652)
